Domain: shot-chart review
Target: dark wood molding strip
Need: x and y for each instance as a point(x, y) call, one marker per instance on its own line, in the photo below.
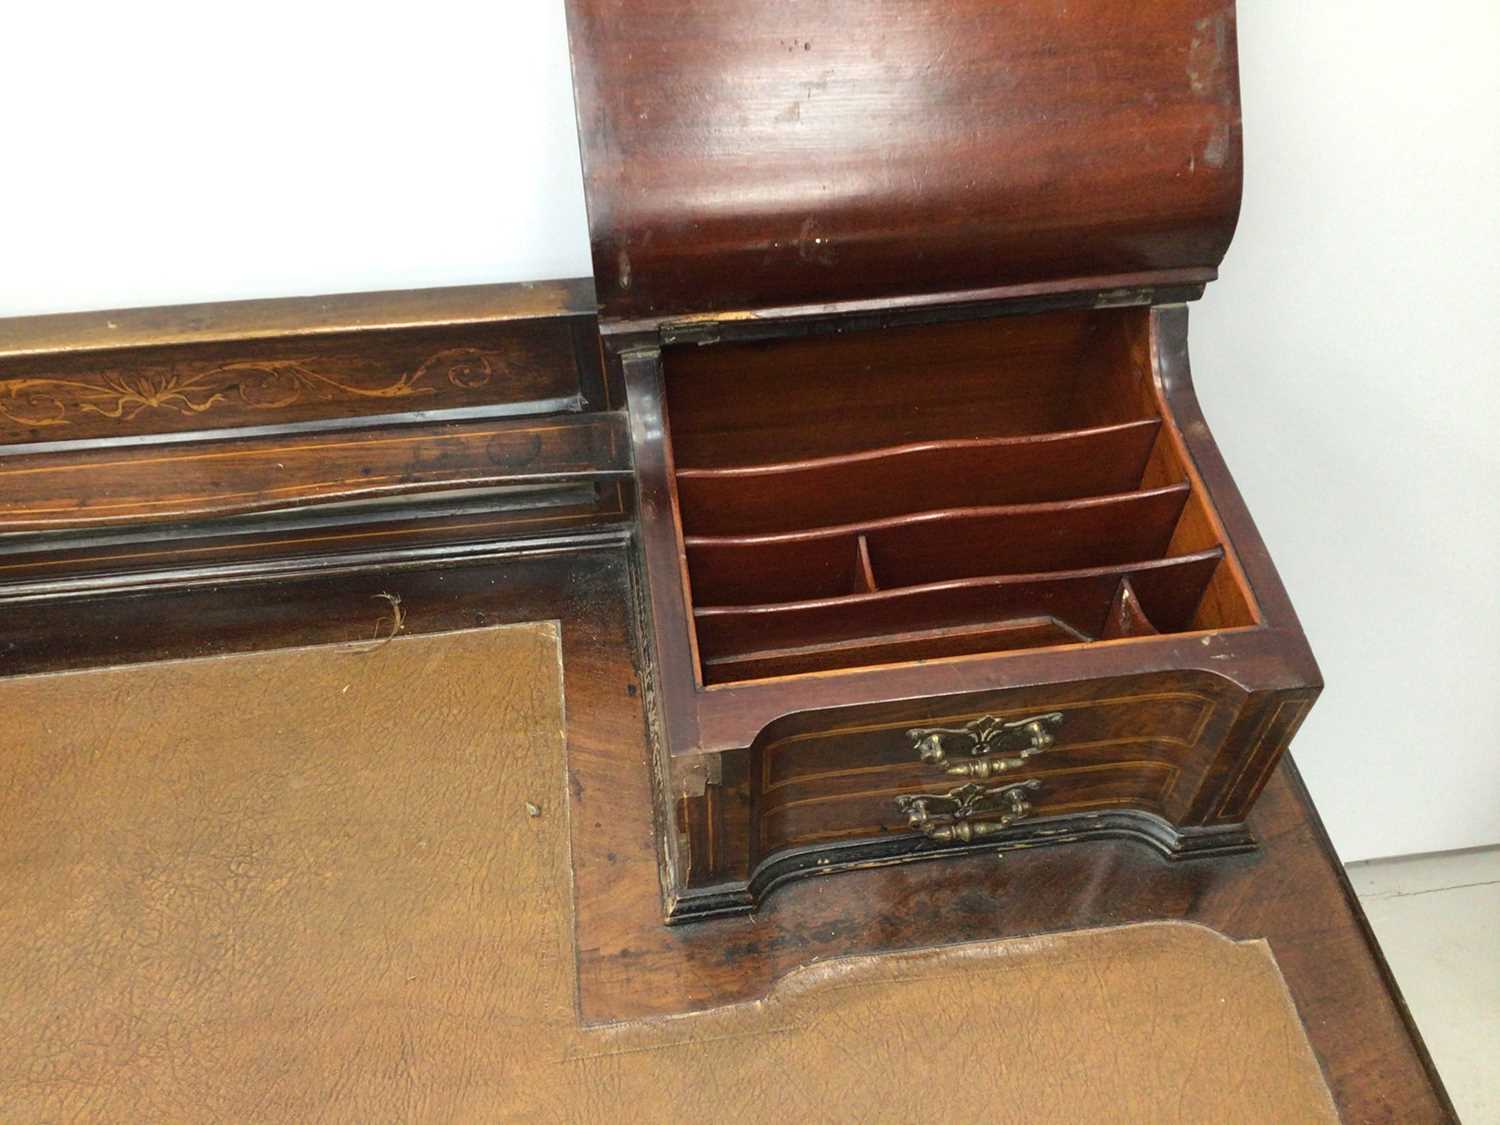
point(103, 487)
point(150, 556)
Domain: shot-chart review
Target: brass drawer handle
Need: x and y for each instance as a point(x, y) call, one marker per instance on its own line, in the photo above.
point(982, 737)
point(970, 812)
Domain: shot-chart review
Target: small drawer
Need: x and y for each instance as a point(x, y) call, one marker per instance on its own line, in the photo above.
point(1073, 751)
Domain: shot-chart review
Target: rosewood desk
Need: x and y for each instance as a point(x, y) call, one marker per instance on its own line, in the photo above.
point(231, 492)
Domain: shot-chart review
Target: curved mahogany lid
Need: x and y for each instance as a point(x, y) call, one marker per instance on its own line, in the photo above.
point(752, 154)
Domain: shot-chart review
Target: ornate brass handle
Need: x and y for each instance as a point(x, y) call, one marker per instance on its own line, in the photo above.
point(982, 737)
point(970, 812)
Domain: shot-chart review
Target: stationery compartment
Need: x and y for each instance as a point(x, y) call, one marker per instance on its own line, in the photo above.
point(904, 479)
point(938, 491)
point(915, 437)
point(936, 546)
point(1053, 607)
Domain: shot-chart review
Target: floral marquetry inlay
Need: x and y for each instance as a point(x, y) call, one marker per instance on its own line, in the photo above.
point(257, 385)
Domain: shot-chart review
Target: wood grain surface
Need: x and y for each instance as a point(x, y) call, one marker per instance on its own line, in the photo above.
point(744, 154)
point(94, 487)
point(121, 375)
point(220, 322)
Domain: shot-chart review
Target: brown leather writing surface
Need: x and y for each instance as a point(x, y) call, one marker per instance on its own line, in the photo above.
point(333, 884)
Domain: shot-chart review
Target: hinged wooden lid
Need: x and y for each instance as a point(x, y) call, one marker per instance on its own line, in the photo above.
point(752, 154)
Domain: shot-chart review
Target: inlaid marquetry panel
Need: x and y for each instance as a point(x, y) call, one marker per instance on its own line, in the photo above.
point(141, 445)
point(532, 367)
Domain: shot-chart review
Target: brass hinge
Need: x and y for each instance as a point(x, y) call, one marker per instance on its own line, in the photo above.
point(700, 332)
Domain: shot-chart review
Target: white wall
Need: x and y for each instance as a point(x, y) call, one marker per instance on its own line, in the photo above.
point(160, 151)
point(1349, 360)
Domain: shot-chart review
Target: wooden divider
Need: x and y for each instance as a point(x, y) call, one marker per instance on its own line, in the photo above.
point(901, 480)
point(1074, 602)
point(936, 546)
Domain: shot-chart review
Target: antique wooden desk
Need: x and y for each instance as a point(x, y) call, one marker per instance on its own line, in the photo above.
point(873, 507)
point(90, 582)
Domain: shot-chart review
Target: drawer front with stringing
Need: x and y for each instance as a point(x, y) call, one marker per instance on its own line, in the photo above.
point(944, 773)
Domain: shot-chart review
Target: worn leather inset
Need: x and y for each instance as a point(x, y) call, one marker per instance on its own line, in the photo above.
point(332, 884)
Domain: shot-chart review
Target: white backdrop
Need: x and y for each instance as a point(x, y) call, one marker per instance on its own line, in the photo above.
point(161, 151)
point(1349, 359)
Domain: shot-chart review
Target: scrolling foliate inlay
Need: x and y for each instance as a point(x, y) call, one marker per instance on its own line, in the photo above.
point(257, 385)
